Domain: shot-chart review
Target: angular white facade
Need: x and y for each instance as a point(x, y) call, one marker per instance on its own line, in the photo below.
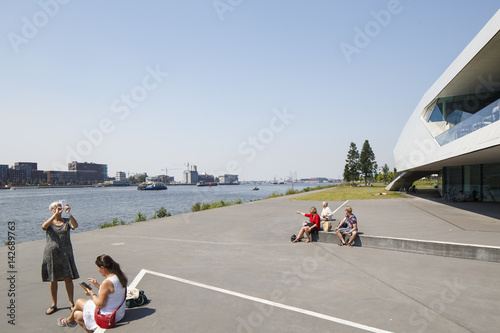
point(457, 122)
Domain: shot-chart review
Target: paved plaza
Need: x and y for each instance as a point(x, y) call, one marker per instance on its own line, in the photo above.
point(234, 269)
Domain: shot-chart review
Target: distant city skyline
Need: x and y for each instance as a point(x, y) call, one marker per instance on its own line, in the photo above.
point(258, 89)
point(72, 167)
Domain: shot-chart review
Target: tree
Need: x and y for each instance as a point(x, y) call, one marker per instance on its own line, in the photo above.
point(351, 170)
point(390, 176)
point(385, 171)
point(380, 177)
point(367, 160)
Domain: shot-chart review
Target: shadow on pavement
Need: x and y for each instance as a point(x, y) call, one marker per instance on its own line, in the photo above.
point(135, 314)
point(490, 209)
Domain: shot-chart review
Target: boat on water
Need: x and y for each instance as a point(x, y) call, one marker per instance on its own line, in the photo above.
point(210, 184)
point(255, 188)
point(151, 186)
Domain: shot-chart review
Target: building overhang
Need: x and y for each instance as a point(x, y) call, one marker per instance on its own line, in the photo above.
point(476, 71)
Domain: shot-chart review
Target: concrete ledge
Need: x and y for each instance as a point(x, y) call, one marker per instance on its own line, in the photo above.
point(454, 250)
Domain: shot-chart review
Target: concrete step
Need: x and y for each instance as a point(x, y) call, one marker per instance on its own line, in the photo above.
point(454, 250)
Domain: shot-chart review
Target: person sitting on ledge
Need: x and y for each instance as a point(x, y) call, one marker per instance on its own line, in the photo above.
point(326, 217)
point(351, 229)
point(460, 197)
point(307, 227)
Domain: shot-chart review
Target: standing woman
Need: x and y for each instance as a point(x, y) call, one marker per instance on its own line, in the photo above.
point(58, 261)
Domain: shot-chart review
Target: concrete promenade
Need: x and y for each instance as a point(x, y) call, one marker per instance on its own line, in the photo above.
point(234, 269)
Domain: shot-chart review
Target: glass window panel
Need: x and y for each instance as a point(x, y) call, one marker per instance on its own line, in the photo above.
point(472, 182)
point(436, 115)
point(491, 182)
point(453, 176)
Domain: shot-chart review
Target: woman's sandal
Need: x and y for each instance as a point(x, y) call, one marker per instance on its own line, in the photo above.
point(342, 244)
point(51, 310)
point(64, 323)
point(350, 244)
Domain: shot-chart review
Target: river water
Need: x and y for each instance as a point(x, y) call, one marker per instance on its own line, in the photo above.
point(91, 207)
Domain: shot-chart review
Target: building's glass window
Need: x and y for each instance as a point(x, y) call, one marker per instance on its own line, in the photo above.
point(472, 182)
point(453, 180)
point(491, 182)
point(479, 182)
point(435, 115)
point(462, 115)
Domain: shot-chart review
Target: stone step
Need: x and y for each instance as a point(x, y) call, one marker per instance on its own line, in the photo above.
point(454, 250)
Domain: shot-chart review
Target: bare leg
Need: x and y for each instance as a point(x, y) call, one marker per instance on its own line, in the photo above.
point(353, 236)
point(300, 235)
point(339, 234)
point(53, 293)
point(69, 290)
point(308, 232)
point(80, 303)
point(79, 320)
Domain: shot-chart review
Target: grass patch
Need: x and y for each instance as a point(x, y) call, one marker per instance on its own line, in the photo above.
point(424, 184)
point(291, 191)
point(211, 205)
point(345, 192)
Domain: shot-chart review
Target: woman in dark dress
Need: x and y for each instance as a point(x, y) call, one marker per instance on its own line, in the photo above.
point(58, 261)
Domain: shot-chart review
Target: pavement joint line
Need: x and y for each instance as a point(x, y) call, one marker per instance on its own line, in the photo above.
point(363, 271)
point(143, 272)
point(195, 241)
point(340, 206)
point(439, 217)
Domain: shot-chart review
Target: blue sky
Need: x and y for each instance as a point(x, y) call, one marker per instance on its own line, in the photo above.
point(257, 88)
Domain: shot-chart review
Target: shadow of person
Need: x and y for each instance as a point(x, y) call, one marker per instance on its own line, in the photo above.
point(135, 314)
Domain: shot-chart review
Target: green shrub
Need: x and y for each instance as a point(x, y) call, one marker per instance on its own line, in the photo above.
point(217, 204)
point(196, 207)
point(162, 212)
point(140, 217)
point(275, 194)
point(291, 191)
point(116, 221)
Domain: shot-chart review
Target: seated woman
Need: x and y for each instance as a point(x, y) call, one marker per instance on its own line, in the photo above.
point(350, 229)
point(112, 293)
point(307, 227)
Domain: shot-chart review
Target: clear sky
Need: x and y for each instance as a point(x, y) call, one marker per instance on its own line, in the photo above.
point(257, 88)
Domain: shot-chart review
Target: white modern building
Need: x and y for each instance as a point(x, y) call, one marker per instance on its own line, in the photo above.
point(454, 130)
point(190, 176)
point(229, 179)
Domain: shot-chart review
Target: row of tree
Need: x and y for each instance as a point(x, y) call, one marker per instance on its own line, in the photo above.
point(363, 165)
